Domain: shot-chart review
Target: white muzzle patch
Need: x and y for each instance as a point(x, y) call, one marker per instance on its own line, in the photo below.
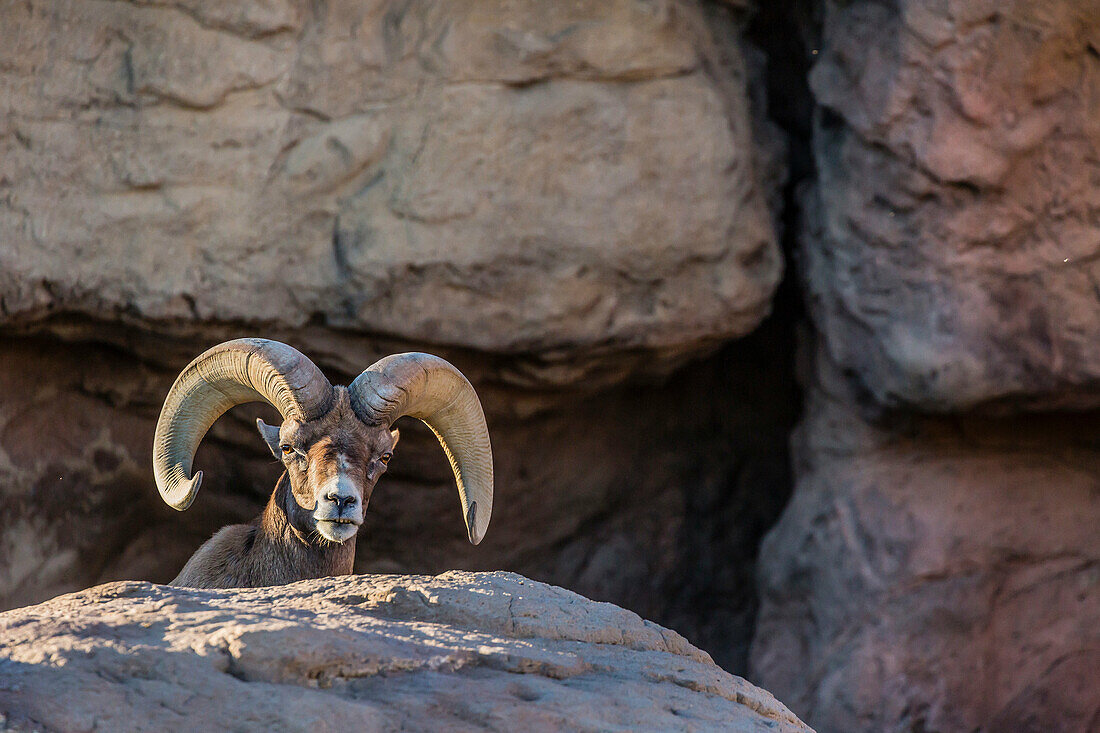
point(339, 510)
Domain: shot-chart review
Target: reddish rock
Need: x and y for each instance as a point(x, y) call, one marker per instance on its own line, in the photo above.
point(939, 574)
point(953, 254)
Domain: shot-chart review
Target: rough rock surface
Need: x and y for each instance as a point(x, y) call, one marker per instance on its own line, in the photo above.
point(953, 256)
point(942, 574)
point(568, 185)
point(564, 200)
point(460, 651)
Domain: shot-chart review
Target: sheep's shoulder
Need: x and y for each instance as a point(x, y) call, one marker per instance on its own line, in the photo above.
point(223, 561)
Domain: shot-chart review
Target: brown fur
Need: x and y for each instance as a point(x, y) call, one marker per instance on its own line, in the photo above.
point(283, 545)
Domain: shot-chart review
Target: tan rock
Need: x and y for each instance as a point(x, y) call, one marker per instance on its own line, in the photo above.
point(460, 651)
point(561, 186)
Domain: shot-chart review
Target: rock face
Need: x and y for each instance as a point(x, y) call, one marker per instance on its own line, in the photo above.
point(940, 574)
point(953, 257)
point(489, 175)
point(943, 573)
point(567, 200)
point(460, 651)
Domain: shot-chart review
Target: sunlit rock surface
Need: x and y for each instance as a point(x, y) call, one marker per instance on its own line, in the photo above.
point(459, 651)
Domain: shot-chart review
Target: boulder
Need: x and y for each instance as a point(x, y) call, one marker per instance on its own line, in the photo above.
point(459, 651)
point(573, 188)
point(938, 574)
point(952, 253)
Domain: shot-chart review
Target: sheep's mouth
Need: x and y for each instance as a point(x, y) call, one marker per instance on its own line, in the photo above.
point(337, 529)
point(354, 517)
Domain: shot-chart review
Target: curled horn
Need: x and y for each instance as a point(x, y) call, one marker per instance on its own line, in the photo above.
point(229, 374)
point(435, 392)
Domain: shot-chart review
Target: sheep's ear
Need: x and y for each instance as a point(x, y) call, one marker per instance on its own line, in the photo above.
point(396, 435)
point(270, 434)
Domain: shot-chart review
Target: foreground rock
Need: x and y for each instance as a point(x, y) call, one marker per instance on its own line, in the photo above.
point(460, 651)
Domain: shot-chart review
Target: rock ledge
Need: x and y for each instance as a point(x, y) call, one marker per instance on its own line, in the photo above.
point(459, 651)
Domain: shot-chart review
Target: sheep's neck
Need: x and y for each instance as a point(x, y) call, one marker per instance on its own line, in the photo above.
point(284, 529)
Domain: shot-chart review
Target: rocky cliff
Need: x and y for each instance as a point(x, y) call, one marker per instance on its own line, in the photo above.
point(587, 207)
point(939, 563)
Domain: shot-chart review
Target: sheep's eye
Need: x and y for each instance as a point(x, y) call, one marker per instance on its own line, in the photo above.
point(287, 450)
point(386, 457)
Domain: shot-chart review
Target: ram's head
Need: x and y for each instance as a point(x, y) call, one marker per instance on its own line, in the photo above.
point(335, 442)
point(333, 463)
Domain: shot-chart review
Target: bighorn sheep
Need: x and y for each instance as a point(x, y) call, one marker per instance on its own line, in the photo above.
point(335, 443)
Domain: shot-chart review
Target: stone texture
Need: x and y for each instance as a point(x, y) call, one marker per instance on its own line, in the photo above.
point(935, 574)
point(459, 651)
point(566, 200)
point(953, 253)
point(938, 567)
point(560, 186)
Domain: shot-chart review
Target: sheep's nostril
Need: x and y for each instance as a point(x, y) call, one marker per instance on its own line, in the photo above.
point(341, 502)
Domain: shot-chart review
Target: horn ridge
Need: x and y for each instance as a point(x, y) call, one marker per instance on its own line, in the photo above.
point(432, 390)
point(226, 375)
